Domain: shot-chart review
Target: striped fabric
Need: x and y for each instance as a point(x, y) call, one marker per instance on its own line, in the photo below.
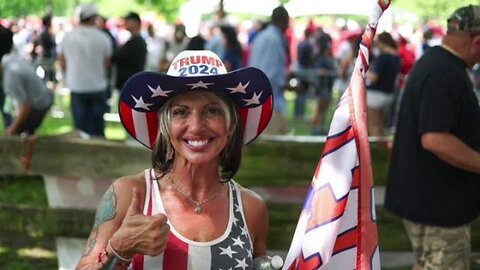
point(145, 92)
point(232, 250)
point(337, 226)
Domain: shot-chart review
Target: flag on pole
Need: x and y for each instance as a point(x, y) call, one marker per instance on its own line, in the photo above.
point(337, 226)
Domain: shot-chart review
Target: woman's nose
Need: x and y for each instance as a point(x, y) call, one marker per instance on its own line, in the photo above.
point(197, 122)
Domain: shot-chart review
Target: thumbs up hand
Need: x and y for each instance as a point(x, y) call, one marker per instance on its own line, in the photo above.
point(139, 233)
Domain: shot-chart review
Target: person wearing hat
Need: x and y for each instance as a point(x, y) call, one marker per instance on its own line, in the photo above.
point(84, 56)
point(434, 175)
point(131, 57)
point(186, 209)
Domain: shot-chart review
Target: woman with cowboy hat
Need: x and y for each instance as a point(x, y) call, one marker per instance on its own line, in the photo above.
point(186, 212)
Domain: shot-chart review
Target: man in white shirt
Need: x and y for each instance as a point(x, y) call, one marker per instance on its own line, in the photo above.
point(84, 55)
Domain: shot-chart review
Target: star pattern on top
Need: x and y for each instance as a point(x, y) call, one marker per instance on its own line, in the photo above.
point(237, 209)
point(159, 92)
point(238, 242)
point(227, 251)
point(241, 264)
point(139, 103)
point(199, 84)
point(235, 220)
point(254, 100)
point(244, 230)
point(240, 88)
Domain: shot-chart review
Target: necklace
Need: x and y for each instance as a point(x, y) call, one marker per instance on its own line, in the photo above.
point(198, 205)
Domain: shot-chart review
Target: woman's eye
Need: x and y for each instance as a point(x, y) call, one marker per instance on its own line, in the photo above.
point(214, 111)
point(179, 112)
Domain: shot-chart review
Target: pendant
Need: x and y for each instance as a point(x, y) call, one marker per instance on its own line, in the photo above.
point(198, 209)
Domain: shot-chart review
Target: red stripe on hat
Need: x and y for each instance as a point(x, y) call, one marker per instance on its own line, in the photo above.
point(265, 116)
point(127, 118)
point(243, 113)
point(176, 254)
point(152, 125)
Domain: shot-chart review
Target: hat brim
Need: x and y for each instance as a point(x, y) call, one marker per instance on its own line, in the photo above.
point(145, 93)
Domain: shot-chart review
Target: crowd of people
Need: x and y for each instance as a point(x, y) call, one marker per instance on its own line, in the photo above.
point(426, 95)
point(316, 65)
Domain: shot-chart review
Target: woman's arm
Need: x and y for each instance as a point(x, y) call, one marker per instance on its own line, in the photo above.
point(120, 220)
point(257, 220)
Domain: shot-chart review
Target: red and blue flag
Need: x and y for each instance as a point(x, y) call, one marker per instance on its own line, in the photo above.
point(337, 226)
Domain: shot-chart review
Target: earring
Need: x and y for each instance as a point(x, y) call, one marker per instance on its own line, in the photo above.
point(170, 153)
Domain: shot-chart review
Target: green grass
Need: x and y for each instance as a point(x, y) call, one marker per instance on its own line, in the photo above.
point(31, 197)
point(20, 251)
point(26, 190)
point(115, 131)
point(27, 231)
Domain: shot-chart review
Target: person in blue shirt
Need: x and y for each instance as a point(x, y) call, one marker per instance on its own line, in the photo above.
point(269, 54)
point(232, 52)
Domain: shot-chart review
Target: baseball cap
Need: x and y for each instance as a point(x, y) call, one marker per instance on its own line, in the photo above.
point(85, 11)
point(132, 16)
point(465, 19)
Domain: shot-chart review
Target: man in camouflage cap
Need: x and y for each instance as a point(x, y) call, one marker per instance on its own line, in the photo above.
point(434, 176)
point(466, 19)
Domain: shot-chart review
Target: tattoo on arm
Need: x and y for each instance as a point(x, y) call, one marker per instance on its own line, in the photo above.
point(92, 240)
point(107, 210)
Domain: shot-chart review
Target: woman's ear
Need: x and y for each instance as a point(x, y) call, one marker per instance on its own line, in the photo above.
point(476, 40)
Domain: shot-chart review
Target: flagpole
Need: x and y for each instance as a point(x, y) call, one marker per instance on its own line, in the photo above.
point(367, 241)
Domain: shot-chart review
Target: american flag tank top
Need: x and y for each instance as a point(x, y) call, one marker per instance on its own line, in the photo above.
point(232, 250)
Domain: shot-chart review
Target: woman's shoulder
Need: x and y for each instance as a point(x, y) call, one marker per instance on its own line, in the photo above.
point(126, 183)
point(251, 199)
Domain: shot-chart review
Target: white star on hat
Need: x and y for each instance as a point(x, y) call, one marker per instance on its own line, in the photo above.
point(227, 251)
point(199, 84)
point(240, 88)
point(139, 103)
point(157, 92)
point(254, 100)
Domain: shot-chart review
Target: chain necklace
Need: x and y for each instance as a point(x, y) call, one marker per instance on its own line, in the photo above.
point(198, 205)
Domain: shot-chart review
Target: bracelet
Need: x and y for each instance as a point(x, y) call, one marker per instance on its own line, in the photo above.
point(116, 254)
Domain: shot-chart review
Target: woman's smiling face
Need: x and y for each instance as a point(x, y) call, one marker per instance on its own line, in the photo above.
point(198, 127)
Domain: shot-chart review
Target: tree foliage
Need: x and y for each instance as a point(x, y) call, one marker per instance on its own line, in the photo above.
point(426, 9)
point(21, 8)
point(167, 8)
point(437, 10)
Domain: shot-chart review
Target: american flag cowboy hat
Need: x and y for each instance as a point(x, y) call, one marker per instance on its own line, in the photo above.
point(145, 93)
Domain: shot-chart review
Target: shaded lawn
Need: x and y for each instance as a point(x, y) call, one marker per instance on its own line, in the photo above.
point(28, 242)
